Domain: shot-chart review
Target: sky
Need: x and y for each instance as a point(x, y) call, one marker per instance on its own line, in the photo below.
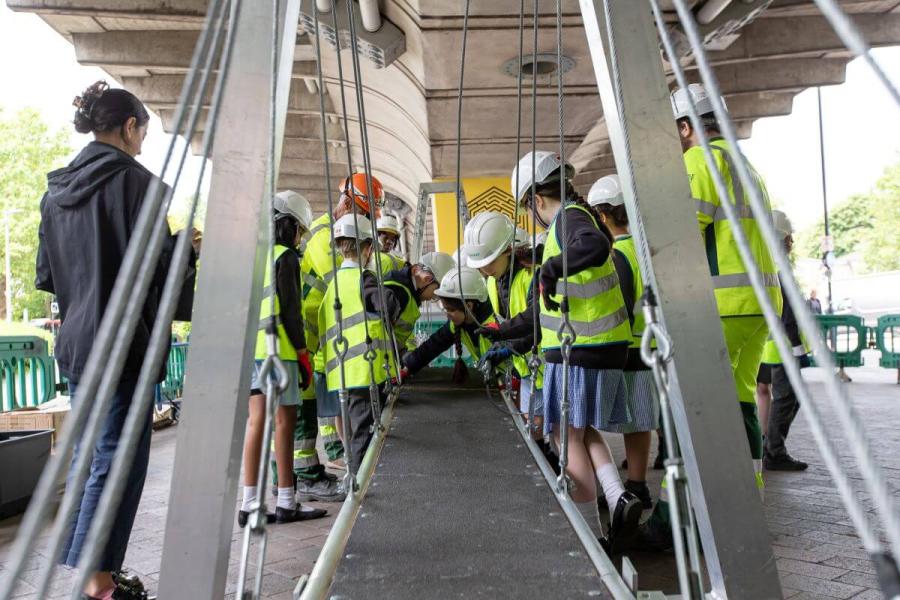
point(862, 125)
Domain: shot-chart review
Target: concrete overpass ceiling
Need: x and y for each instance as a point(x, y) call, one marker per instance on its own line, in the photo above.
point(411, 104)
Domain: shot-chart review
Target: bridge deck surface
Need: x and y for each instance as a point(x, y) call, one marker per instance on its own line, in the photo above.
point(458, 508)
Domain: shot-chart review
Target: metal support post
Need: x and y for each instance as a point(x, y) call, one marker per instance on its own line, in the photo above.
point(707, 416)
point(226, 315)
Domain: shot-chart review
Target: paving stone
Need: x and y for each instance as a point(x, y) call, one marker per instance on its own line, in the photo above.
point(789, 565)
point(856, 578)
point(812, 555)
point(853, 564)
point(831, 589)
point(869, 595)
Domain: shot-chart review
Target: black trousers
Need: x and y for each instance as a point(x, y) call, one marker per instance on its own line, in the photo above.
point(781, 415)
point(362, 423)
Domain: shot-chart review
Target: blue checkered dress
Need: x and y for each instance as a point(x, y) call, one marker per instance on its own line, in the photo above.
point(597, 397)
point(643, 404)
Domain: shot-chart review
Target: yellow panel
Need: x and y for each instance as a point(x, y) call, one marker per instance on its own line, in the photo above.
point(482, 194)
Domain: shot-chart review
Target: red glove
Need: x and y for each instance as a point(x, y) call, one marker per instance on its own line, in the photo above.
point(306, 372)
point(516, 384)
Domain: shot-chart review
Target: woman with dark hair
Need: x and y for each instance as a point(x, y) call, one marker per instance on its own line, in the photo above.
point(88, 216)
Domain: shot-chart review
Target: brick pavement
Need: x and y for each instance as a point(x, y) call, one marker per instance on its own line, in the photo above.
point(817, 551)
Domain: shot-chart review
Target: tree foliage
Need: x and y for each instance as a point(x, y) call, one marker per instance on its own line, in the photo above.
point(29, 149)
point(865, 223)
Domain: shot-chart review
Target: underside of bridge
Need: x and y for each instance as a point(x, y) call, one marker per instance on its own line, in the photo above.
point(764, 53)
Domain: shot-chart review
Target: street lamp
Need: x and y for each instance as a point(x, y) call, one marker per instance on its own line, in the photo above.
point(6, 213)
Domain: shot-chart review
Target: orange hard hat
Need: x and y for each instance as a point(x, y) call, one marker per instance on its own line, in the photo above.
point(357, 185)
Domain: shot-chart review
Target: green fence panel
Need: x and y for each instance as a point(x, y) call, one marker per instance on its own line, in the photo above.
point(424, 328)
point(173, 385)
point(28, 372)
point(846, 337)
point(887, 340)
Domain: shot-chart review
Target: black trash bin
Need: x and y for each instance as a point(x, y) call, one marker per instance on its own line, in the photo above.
point(23, 455)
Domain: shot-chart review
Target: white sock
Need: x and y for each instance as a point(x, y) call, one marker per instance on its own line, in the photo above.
point(249, 497)
point(591, 516)
point(286, 498)
point(608, 476)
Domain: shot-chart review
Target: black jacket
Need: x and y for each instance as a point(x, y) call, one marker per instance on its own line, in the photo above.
point(287, 286)
point(88, 216)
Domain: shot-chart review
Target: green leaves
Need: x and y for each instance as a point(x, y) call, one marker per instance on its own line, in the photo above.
point(28, 151)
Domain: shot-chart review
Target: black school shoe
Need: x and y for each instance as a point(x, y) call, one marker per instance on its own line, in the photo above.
point(284, 515)
point(128, 587)
point(244, 515)
point(785, 462)
point(625, 520)
point(640, 489)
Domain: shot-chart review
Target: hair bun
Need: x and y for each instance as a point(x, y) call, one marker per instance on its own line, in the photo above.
point(85, 104)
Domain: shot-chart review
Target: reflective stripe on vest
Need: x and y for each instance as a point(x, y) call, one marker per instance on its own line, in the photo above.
point(286, 350)
point(598, 317)
point(357, 322)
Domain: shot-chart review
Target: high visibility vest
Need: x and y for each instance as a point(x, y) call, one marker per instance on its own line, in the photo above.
point(403, 326)
point(596, 306)
point(771, 355)
point(625, 245)
point(389, 262)
point(286, 350)
point(518, 303)
point(484, 344)
point(731, 282)
point(354, 320)
point(316, 272)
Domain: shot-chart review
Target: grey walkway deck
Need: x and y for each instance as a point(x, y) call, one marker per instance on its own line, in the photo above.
point(459, 509)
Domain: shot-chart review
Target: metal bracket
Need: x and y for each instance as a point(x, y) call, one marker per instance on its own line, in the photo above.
point(381, 47)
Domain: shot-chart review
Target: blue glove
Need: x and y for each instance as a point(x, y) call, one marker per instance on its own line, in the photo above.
point(804, 361)
point(497, 355)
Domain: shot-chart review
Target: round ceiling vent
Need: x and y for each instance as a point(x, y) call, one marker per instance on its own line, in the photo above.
point(542, 66)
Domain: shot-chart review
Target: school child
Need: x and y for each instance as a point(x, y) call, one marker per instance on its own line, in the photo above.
point(361, 311)
point(413, 285)
point(489, 237)
point(461, 329)
point(389, 232)
point(597, 314)
point(643, 405)
point(291, 217)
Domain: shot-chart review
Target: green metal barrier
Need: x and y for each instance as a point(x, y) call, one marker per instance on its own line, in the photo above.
point(423, 329)
point(28, 372)
point(173, 385)
point(887, 339)
point(846, 337)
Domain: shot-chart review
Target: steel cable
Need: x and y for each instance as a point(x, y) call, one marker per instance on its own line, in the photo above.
point(872, 475)
point(273, 370)
point(460, 213)
point(534, 363)
point(393, 352)
point(340, 341)
point(566, 332)
point(349, 190)
point(116, 331)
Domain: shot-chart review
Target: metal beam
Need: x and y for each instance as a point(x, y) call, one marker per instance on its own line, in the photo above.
point(168, 50)
point(658, 198)
point(201, 513)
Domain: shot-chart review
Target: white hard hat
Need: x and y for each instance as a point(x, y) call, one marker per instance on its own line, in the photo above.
point(353, 226)
point(523, 238)
point(439, 263)
point(702, 101)
point(388, 224)
point(546, 170)
point(782, 224)
point(486, 236)
point(473, 285)
point(461, 251)
point(291, 203)
point(606, 190)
